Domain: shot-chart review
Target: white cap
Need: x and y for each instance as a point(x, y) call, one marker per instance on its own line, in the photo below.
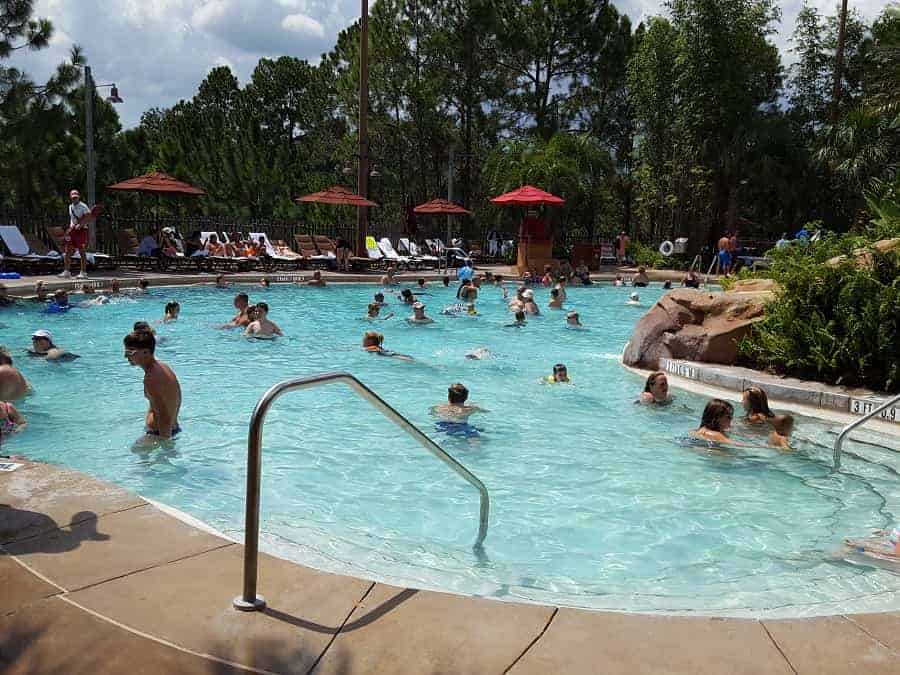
point(418, 305)
point(528, 293)
point(635, 296)
point(74, 193)
point(43, 334)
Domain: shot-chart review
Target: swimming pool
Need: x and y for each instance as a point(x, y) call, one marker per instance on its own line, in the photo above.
point(595, 503)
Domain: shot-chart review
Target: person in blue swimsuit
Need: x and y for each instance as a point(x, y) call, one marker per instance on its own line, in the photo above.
point(454, 414)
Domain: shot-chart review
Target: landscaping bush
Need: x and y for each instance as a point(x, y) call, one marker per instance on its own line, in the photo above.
point(836, 323)
point(645, 256)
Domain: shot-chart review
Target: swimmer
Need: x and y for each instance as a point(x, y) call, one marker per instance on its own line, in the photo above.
point(518, 302)
point(756, 406)
point(883, 544)
point(387, 278)
point(716, 420)
point(641, 278)
point(634, 300)
point(407, 296)
point(782, 425)
point(446, 281)
point(418, 316)
point(6, 360)
point(667, 285)
point(94, 300)
point(42, 346)
point(220, 281)
point(161, 387)
point(573, 320)
point(466, 291)
point(498, 282)
point(317, 281)
point(421, 283)
point(656, 390)
point(143, 327)
point(173, 309)
point(372, 343)
point(142, 287)
point(528, 302)
point(264, 282)
point(555, 299)
point(560, 375)
point(60, 301)
point(40, 292)
point(11, 420)
point(456, 409)
point(373, 311)
point(561, 283)
point(115, 287)
point(479, 354)
point(618, 281)
point(262, 327)
point(13, 385)
point(519, 322)
point(379, 299)
point(241, 304)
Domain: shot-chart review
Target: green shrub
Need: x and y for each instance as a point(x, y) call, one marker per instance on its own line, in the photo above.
point(645, 256)
point(840, 324)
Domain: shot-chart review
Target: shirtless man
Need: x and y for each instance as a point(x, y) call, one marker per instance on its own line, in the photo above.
point(161, 387)
point(456, 409)
point(317, 280)
point(214, 247)
point(724, 254)
point(388, 278)
point(241, 303)
point(418, 316)
point(262, 327)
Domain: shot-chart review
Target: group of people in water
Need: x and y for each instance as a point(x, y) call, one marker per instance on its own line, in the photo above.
point(718, 415)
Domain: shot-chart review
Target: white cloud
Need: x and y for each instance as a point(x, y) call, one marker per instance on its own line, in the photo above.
point(304, 25)
point(158, 51)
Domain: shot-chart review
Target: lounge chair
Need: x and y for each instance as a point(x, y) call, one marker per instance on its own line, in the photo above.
point(456, 257)
point(95, 260)
point(424, 259)
point(273, 259)
point(402, 262)
point(607, 253)
point(376, 257)
point(326, 247)
point(307, 247)
point(220, 263)
point(22, 258)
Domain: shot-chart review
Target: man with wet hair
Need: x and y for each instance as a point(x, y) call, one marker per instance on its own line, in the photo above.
point(161, 387)
point(241, 304)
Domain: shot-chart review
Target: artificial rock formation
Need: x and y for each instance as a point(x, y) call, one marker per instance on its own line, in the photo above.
point(863, 256)
point(698, 326)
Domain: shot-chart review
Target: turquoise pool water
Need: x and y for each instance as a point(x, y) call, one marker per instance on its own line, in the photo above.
point(595, 503)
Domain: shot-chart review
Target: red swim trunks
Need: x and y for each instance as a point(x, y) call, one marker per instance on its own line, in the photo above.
point(77, 238)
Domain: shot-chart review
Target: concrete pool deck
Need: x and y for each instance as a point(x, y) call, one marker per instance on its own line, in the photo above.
point(98, 580)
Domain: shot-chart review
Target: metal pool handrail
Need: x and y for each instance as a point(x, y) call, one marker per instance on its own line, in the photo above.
point(250, 601)
point(839, 443)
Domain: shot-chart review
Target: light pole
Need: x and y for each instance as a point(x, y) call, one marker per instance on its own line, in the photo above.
point(89, 159)
point(362, 213)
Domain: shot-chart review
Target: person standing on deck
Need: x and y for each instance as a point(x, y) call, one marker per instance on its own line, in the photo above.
point(77, 234)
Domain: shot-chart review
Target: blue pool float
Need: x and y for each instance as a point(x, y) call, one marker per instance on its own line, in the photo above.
point(10, 275)
point(53, 308)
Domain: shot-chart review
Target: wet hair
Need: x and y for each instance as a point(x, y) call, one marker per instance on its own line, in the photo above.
point(140, 339)
point(263, 306)
point(5, 358)
point(143, 283)
point(520, 315)
point(379, 297)
point(251, 313)
point(759, 402)
point(783, 424)
point(560, 368)
point(374, 307)
point(242, 296)
point(457, 393)
point(714, 411)
point(651, 380)
point(421, 282)
point(555, 292)
point(372, 338)
point(171, 306)
point(141, 327)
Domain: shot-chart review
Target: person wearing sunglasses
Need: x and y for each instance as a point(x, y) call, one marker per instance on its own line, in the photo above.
point(161, 387)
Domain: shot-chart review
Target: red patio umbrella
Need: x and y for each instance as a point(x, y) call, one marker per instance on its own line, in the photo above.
point(528, 195)
point(336, 195)
point(157, 182)
point(441, 207)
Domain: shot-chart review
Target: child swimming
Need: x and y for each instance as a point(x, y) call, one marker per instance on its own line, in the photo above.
point(782, 425)
point(716, 420)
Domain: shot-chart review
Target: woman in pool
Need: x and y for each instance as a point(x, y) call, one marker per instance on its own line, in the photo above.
point(556, 302)
point(656, 390)
point(756, 406)
point(716, 420)
point(780, 437)
point(372, 343)
point(173, 309)
point(407, 297)
point(528, 303)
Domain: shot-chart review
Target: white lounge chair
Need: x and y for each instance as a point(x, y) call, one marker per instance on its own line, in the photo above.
point(455, 256)
point(413, 249)
point(387, 248)
point(22, 257)
point(274, 259)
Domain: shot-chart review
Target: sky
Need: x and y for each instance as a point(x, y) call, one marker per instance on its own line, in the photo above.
point(158, 51)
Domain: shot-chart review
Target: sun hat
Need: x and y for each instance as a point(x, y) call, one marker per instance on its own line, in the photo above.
point(528, 293)
point(74, 193)
point(42, 333)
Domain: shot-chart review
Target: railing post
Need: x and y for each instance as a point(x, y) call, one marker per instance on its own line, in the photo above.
point(839, 443)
